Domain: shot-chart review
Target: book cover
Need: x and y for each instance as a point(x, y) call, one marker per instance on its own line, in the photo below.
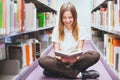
point(110, 15)
point(119, 62)
point(29, 52)
point(116, 48)
point(29, 19)
point(2, 51)
point(0, 14)
point(15, 53)
point(41, 17)
point(71, 53)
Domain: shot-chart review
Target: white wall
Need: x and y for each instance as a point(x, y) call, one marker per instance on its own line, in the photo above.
point(83, 10)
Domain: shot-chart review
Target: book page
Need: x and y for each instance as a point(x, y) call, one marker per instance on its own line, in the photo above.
point(71, 53)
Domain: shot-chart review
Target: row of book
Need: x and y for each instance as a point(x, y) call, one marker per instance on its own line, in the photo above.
point(18, 16)
point(98, 40)
point(108, 16)
point(112, 50)
point(109, 45)
point(34, 20)
point(24, 49)
point(46, 19)
point(12, 12)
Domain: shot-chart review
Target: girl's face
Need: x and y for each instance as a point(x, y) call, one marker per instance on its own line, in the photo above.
point(67, 19)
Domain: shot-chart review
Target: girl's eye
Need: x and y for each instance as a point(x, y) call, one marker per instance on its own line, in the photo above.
point(70, 17)
point(64, 18)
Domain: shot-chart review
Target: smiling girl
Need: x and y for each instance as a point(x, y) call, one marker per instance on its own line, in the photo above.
point(69, 35)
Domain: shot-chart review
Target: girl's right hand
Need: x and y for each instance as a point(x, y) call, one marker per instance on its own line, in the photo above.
point(64, 60)
point(58, 57)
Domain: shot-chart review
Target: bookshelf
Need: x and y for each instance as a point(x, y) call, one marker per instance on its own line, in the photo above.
point(21, 28)
point(106, 31)
point(43, 5)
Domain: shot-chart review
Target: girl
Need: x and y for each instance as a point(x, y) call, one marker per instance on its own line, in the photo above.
point(68, 35)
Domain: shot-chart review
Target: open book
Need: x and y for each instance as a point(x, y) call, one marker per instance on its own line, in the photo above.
point(71, 53)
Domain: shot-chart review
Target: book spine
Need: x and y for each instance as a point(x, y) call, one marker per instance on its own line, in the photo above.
point(0, 16)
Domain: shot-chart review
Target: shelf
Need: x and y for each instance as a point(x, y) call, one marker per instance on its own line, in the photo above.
point(108, 31)
point(7, 77)
point(2, 39)
point(45, 28)
point(26, 32)
point(110, 69)
point(42, 6)
point(102, 4)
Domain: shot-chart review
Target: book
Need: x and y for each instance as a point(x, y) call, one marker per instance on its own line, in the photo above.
point(2, 51)
point(71, 53)
point(41, 17)
point(14, 51)
point(0, 15)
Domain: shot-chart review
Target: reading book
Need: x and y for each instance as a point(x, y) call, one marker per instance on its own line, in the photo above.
point(71, 53)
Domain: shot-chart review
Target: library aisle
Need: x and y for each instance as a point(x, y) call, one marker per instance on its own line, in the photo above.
point(26, 28)
point(35, 72)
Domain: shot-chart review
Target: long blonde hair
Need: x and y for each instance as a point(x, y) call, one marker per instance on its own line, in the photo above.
point(68, 7)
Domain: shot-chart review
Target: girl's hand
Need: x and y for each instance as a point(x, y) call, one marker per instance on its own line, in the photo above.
point(64, 59)
point(70, 60)
point(58, 57)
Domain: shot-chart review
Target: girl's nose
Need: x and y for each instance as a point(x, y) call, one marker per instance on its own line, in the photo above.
point(67, 20)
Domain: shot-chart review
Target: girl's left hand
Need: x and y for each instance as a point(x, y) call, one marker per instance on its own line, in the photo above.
point(72, 60)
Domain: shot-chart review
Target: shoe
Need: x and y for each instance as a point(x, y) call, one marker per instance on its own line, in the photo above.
point(91, 74)
point(51, 74)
